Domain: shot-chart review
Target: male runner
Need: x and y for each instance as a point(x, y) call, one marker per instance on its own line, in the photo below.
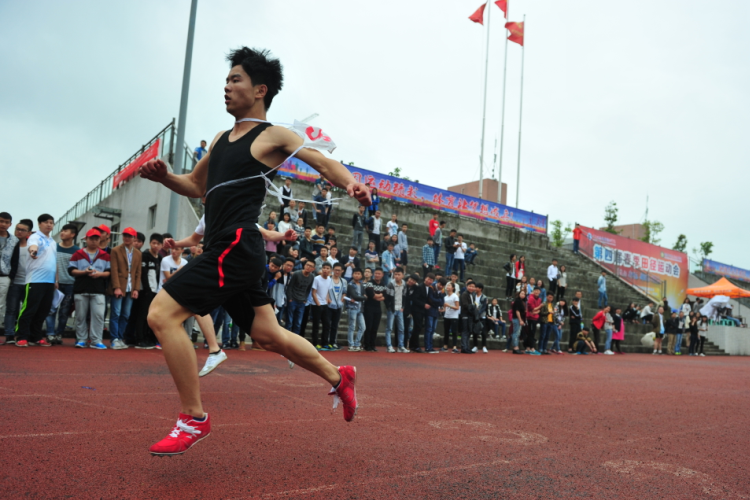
point(228, 273)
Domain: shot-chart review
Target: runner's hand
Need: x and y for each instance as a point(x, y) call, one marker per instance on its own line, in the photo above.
point(169, 243)
point(154, 170)
point(290, 235)
point(360, 192)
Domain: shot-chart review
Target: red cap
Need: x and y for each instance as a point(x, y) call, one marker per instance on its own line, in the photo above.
point(129, 231)
point(105, 228)
point(94, 231)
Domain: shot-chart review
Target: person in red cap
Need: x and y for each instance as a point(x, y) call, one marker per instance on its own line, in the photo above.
point(90, 268)
point(105, 238)
point(125, 281)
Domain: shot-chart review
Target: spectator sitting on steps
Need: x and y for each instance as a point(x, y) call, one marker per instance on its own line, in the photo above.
point(471, 254)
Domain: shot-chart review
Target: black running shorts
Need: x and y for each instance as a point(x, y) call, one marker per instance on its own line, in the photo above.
point(227, 274)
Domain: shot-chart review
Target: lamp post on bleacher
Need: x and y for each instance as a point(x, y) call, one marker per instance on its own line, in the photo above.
point(179, 155)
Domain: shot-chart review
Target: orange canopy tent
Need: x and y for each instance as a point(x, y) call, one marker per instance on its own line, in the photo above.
point(721, 287)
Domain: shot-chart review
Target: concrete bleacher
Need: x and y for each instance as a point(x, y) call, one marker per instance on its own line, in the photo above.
point(495, 244)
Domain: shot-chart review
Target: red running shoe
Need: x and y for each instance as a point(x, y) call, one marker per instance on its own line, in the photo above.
point(346, 393)
point(185, 434)
point(22, 343)
point(43, 343)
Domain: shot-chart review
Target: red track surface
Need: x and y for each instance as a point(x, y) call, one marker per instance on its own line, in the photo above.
point(429, 426)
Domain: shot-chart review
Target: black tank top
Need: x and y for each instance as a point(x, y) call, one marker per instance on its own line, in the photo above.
point(234, 205)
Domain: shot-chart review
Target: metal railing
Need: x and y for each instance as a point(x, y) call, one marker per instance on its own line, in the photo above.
point(166, 136)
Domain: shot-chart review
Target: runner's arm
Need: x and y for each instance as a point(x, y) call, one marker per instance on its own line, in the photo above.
point(192, 185)
point(333, 171)
point(184, 243)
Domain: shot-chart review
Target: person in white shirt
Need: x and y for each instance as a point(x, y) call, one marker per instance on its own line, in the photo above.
point(320, 287)
point(41, 283)
point(392, 226)
point(458, 258)
point(171, 264)
point(377, 224)
point(286, 223)
point(552, 274)
point(452, 309)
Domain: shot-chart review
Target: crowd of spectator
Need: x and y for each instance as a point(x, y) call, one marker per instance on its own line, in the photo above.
point(316, 284)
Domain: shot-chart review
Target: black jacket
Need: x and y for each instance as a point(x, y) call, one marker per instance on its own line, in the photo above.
point(436, 300)
point(448, 242)
point(468, 307)
point(345, 260)
point(306, 249)
point(418, 299)
point(14, 261)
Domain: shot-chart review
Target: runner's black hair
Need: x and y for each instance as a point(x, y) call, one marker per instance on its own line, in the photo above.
point(261, 68)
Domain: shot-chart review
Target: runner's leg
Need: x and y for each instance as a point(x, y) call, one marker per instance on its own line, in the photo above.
point(207, 327)
point(271, 336)
point(165, 317)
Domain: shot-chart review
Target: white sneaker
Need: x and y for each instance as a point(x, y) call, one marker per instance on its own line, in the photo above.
point(212, 362)
point(609, 353)
point(484, 350)
point(391, 349)
point(118, 344)
point(505, 350)
point(701, 354)
point(474, 349)
point(291, 364)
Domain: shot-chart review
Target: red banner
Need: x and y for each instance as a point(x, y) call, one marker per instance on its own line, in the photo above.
point(132, 169)
point(657, 271)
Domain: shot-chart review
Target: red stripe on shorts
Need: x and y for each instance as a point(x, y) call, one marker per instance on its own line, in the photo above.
point(224, 254)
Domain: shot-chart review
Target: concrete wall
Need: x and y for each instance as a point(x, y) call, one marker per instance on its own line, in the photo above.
point(134, 199)
point(730, 339)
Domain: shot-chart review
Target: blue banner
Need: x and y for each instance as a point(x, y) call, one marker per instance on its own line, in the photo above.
point(719, 269)
point(398, 189)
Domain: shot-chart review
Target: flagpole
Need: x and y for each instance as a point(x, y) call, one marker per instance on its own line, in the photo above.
point(520, 114)
point(502, 120)
point(484, 103)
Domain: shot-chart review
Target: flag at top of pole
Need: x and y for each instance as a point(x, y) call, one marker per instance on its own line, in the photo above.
point(503, 4)
point(478, 16)
point(516, 32)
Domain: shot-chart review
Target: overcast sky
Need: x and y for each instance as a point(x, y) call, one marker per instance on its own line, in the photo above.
point(621, 100)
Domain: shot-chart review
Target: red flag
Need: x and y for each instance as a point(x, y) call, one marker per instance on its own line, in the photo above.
point(516, 32)
point(503, 4)
point(478, 16)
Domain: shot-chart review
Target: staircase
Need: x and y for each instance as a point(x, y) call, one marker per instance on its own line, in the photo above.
point(495, 244)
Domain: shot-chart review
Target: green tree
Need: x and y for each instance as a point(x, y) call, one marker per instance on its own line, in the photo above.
point(610, 217)
point(681, 243)
point(396, 172)
point(652, 229)
point(702, 252)
point(559, 233)
point(706, 248)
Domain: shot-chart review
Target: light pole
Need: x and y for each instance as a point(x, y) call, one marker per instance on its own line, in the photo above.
point(179, 156)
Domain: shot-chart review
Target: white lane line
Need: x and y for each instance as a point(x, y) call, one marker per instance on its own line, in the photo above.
point(70, 433)
point(108, 431)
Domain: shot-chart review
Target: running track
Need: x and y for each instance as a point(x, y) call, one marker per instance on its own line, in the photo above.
point(429, 426)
